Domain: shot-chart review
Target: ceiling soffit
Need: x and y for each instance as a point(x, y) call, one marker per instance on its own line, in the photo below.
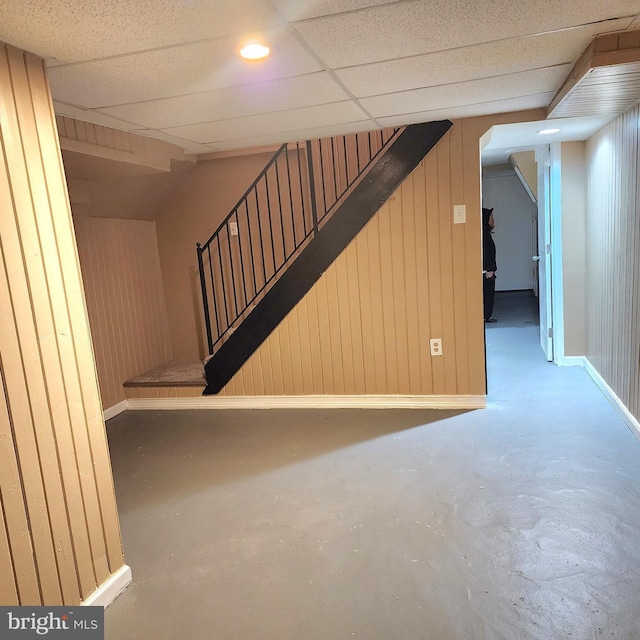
point(605, 80)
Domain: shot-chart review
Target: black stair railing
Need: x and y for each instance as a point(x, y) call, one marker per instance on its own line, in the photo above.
point(298, 190)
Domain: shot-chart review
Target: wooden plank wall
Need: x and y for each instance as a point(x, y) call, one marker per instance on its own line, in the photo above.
point(613, 257)
point(277, 217)
point(59, 535)
point(125, 300)
point(409, 276)
point(95, 134)
point(123, 146)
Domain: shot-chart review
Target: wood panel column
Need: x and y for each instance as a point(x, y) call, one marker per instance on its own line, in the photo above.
point(59, 532)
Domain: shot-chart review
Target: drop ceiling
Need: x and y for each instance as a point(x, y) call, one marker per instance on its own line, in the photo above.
point(169, 69)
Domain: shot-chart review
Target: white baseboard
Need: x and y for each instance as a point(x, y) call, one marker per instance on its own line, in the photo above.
point(618, 405)
point(109, 590)
point(573, 361)
point(312, 402)
point(111, 412)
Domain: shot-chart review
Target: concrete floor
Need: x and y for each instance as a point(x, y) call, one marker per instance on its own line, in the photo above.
point(521, 521)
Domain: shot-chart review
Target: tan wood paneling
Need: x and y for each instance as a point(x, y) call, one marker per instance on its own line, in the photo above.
point(143, 153)
point(19, 578)
point(58, 356)
point(434, 285)
point(8, 588)
point(409, 276)
point(125, 300)
point(613, 257)
point(61, 522)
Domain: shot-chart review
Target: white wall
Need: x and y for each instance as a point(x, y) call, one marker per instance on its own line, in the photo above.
point(514, 233)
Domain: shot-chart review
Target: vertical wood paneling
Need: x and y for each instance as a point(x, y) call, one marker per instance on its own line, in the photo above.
point(446, 263)
point(313, 328)
point(422, 278)
point(60, 520)
point(20, 575)
point(471, 132)
point(387, 310)
point(347, 338)
point(306, 362)
point(366, 319)
point(125, 300)
point(434, 284)
point(70, 432)
point(400, 297)
point(19, 344)
point(613, 263)
point(459, 273)
point(8, 588)
point(355, 316)
point(410, 275)
point(373, 279)
point(297, 355)
point(330, 301)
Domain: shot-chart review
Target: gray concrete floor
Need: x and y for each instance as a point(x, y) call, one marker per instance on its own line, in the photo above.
point(521, 521)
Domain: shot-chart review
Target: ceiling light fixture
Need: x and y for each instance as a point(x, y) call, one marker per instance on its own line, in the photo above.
point(544, 132)
point(254, 51)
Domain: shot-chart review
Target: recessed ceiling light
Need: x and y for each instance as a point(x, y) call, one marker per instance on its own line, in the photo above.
point(544, 132)
point(254, 51)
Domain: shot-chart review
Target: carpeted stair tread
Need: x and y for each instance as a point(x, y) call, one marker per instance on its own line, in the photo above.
point(171, 374)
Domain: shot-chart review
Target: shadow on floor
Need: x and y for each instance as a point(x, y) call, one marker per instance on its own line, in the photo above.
point(151, 450)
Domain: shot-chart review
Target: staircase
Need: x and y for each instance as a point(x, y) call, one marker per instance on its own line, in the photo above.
point(301, 212)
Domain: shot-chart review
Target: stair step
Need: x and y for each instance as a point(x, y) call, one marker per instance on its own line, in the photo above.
point(171, 374)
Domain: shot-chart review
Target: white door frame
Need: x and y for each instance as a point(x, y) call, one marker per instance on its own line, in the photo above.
point(550, 248)
point(545, 287)
point(549, 233)
point(557, 286)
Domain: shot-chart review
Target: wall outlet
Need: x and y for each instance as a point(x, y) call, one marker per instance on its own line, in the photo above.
point(436, 346)
point(233, 228)
point(459, 213)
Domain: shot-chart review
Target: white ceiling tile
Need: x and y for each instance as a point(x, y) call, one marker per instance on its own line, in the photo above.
point(264, 97)
point(87, 115)
point(411, 28)
point(176, 71)
point(523, 103)
point(476, 61)
point(165, 65)
point(271, 123)
point(301, 10)
point(471, 92)
point(300, 135)
point(73, 31)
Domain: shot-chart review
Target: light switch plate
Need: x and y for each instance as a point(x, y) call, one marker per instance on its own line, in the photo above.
point(459, 213)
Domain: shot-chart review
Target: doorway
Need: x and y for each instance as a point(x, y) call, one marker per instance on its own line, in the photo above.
point(523, 186)
point(510, 189)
